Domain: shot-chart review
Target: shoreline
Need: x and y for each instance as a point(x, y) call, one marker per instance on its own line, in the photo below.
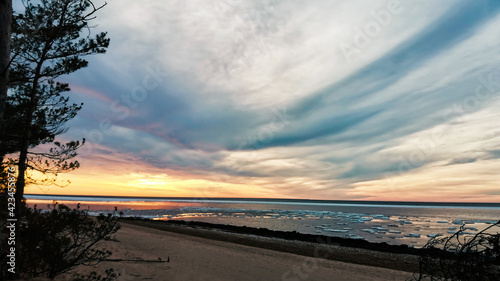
point(362, 252)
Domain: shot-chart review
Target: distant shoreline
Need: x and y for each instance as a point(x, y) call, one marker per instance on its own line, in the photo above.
point(262, 200)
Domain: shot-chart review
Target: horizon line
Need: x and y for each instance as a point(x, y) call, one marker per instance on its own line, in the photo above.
point(267, 198)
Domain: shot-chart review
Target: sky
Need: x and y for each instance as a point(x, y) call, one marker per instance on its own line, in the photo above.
point(339, 100)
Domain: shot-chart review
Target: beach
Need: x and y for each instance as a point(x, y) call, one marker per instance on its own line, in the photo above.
point(146, 253)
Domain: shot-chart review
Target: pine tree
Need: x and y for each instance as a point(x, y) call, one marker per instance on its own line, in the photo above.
point(48, 40)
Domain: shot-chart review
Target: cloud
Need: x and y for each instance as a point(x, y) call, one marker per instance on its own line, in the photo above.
point(463, 182)
point(264, 95)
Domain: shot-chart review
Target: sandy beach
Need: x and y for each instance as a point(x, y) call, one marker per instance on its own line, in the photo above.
point(141, 253)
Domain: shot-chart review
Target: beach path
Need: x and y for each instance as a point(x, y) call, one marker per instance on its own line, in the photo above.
point(193, 258)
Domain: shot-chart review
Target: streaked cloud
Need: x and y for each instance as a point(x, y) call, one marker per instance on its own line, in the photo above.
point(310, 99)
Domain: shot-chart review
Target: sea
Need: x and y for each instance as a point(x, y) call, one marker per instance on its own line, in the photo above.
point(409, 223)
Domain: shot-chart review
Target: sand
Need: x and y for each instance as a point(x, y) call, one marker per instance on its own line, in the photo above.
point(196, 258)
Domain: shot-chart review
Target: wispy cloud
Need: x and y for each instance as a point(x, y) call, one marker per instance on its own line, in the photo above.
point(316, 99)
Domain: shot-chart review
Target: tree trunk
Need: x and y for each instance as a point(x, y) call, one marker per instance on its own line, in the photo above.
point(23, 156)
point(5, 29)
point(24, 146)
point(23, 149)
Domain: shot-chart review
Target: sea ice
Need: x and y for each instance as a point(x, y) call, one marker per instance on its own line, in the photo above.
point(381, 217)
point(356, 237)
point(471, 228)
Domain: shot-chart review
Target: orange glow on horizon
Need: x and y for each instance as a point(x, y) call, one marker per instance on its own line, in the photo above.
point(99, 205)
point(89, 181)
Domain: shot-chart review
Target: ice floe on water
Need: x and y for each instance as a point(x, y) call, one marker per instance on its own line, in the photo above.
point(376, 227)
point(470, 228)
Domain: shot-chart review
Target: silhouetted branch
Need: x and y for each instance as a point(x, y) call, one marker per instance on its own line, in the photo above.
point(462, 256)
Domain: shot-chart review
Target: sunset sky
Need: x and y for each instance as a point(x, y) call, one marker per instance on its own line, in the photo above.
point(361, 100)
